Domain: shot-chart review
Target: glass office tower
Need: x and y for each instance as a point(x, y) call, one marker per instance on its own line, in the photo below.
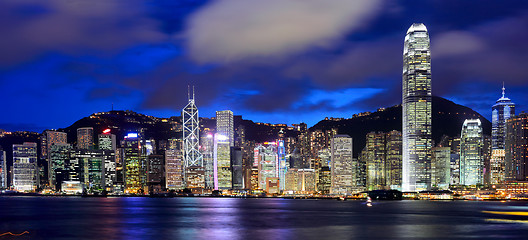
point(416, 101)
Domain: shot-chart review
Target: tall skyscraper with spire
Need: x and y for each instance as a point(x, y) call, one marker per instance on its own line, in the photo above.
point(191, 134)
point(416, 101)
point(501, 111)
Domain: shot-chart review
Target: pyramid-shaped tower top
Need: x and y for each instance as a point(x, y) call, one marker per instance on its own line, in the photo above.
point(417, 27)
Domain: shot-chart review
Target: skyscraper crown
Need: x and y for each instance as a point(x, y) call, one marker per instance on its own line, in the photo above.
point(417, 27)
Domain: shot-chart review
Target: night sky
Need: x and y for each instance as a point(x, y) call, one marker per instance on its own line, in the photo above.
point(279, 61)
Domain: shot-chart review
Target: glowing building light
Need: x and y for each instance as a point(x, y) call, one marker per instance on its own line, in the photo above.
point(132, 135)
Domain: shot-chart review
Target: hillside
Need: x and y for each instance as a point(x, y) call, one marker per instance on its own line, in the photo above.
point(448, 118)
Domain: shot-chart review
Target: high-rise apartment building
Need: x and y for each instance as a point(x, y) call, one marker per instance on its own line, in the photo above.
point(417, 103)
point(342, 165)
point(225, 125)
point(471, 153)
point(25, 169)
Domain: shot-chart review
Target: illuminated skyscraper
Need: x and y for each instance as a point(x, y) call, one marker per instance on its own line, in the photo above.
point(88, 167)
point(47, 140)
point(224, 125)
point(375, 152)
point(222, 163)
point(107, 141)
point(394, 159)
point(237, 179)
point(3, 169)
point(174, 169)
point(268, 167)
point(503, 110)
point(283, 168)
point(135, 164)
point(85, 138)
point(471, 153)
point(59, 156)
point(416, 101)
point(191, 135)
point(25, 170)
point(155, 166)
point(441, 167)
point(497, 166)
point(517, 148)
point(207, 143)
point(343, 167)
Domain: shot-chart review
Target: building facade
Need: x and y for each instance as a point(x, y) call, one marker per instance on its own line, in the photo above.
point(222, 163)
point(471, 153)
point(174, 169)
point(225, 125)
point(441, 167)
point(417, 104)
point(85, 138)
point(342, 166)
point(516, 152)
point(25, 169)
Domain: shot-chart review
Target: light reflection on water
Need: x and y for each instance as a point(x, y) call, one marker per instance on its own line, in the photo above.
point(233, 219)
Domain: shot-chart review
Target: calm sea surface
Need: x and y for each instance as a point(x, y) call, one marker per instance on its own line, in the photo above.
point(229, 218)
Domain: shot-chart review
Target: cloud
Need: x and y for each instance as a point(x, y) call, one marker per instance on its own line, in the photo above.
point(32, 28)
point(231, 30)
point(455, 43)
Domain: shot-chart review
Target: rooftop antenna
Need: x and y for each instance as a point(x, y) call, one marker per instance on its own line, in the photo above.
point(193, 92)
point(188, 92)
point(503, 89)
point(112, 106)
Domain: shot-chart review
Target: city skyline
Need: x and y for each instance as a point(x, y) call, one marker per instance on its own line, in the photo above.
point(349, 65)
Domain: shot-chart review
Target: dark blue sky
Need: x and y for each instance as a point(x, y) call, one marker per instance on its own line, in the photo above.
point(270, 61)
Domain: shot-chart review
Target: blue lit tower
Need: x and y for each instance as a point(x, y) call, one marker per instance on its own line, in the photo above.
point(416, 102)
point(503, 110)
point(191, 135)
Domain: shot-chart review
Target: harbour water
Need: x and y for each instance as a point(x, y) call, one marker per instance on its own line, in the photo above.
point(264, 218)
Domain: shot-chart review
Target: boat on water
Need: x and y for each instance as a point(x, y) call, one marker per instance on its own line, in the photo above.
point(369, 202)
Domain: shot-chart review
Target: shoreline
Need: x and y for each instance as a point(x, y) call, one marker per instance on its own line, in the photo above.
point(245, 197)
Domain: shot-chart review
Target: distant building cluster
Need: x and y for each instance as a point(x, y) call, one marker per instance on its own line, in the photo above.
point(218, 158)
